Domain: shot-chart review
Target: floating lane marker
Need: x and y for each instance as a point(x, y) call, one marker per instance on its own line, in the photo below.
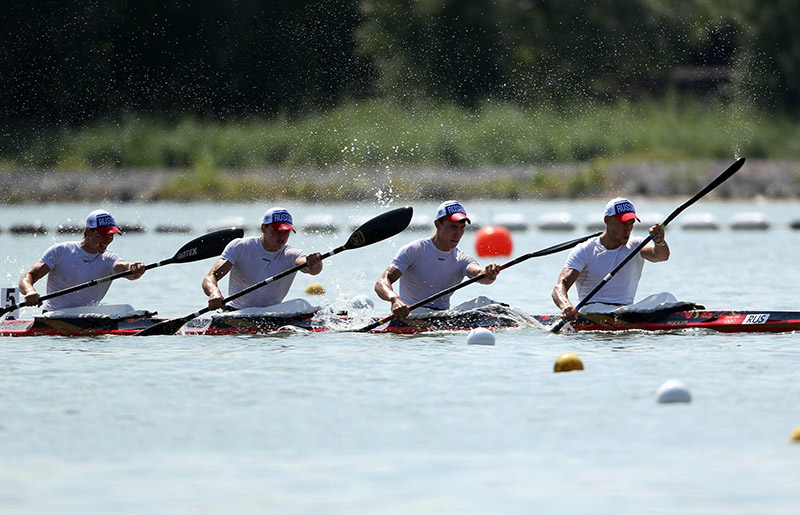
point(555, 222)
point(324, 224)
point(648, 220)
point(594, 222)
point(227, 223)
point(31, 228)
point(131, 228)
point(673, 391)
point(749, 222)
point(568, 362)
point(69, 228)
point(511, 221)
point(699, 222)
point(514, 222)
point(173, 229)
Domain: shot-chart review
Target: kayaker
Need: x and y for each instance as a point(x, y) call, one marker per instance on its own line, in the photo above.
point(589, 262)
point(251, 260)
point(430, 265)
point(74, 262)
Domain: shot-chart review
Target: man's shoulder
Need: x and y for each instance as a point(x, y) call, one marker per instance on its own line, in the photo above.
point(461, 255)
point(582, 253)
point(418, 244)
point(65, 246)
point(591, 243)
point(248, 241)
point(291, 251)
point(635, 240)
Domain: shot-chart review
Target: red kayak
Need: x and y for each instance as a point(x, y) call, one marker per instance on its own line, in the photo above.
point(722, 321)
point(494, 316)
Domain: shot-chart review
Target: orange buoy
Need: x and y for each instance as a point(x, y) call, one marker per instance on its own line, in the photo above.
point(493, 240)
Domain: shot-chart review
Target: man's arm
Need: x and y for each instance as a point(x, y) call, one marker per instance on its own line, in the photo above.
point(491, 272)
point(565, 281)
point(659, 250)
point(137, 269)
point(36, 272)
point(385, 291)
point(314, 262)
point(211, 282)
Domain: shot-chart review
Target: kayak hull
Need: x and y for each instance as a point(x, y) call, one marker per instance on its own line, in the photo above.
point(725, 321)
point(78, 326)
point(491, 317)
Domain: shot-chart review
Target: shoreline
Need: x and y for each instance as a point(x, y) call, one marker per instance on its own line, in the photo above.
point(779, 179)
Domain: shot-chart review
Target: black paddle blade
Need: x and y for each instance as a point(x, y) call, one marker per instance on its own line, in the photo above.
point(167, 327)
point(206, 246)
point(379, 228)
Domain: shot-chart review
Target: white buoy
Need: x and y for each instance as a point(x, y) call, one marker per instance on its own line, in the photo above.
point(361, 302)
point(480, 336)
point(673, 391)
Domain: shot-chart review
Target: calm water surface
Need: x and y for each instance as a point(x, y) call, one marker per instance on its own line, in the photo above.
point(343, 423)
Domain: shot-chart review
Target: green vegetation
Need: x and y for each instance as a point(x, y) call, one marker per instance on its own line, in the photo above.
point(339, 154)
point(376, 135)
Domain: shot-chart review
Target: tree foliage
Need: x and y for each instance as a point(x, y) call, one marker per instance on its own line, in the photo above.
point(68, 62)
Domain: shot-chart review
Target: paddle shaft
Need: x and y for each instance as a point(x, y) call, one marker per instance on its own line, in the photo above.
point(544, 252)
point(724, 176)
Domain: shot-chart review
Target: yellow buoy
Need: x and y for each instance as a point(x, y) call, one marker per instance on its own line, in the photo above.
point(796, 434)
point(315, 289)
point(567, 362)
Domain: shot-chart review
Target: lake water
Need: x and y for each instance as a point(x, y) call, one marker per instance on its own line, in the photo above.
point(366, 423)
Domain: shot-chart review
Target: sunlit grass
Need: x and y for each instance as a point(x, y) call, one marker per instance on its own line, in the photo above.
point(377, 136)
point(373, 133)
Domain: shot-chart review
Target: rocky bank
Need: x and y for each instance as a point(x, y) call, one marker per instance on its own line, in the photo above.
point(768, 178)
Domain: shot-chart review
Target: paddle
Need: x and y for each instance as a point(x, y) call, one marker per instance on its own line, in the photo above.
point(544, 252)
point(372, 231)
point(203, 247)
point(724, 176)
